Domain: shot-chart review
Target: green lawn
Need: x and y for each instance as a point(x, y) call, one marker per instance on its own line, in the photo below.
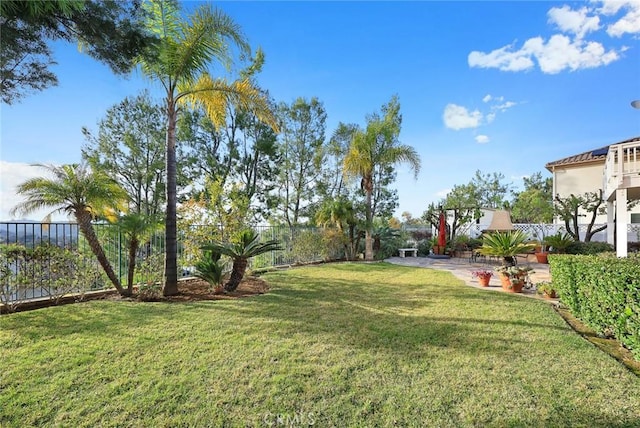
point(334, 345)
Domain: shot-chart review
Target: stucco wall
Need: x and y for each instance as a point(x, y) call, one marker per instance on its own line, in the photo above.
point(579, 179)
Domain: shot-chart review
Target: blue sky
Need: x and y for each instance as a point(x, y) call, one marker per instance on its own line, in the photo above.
point(496, 86)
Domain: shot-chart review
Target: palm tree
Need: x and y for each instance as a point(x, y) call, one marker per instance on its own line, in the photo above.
point(135, 228)
point(338, 212)
point(78, 191)
point(373, 149)
point(180, 63)
point(240, 252)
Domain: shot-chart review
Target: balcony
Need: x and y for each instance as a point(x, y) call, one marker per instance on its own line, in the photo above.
point(622, 170)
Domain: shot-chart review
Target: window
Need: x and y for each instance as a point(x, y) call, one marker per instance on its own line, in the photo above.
point(635, 218)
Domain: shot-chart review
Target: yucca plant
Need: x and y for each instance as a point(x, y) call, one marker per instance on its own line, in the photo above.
point(241, 251)
point(506, 245)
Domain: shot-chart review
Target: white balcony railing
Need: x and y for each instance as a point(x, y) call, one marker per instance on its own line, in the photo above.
point(623, 160)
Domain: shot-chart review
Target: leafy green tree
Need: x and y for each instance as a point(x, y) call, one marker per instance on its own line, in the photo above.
point(462, 205)
point(572, 207)
point(257, 168)
point(187, 46)
point(372, 152)
point(490, 190)
point(130, 148)
point(108, 31)
point(535, 203)
point(78, 191)
point(302, 152)
point(332, 183)
point(246, 247)
point(205, 149)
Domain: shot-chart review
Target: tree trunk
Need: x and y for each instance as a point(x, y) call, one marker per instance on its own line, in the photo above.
point(508, 261)
point(84, 222)
point(368, 238)
point(133, 250)
point(171, 231)
point(237, 273)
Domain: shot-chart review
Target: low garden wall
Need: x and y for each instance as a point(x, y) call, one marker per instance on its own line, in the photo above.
point(603, 291)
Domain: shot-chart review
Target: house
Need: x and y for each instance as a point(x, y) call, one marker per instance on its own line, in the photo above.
point(614, 169)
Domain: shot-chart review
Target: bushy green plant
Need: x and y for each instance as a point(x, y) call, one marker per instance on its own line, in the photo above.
point(241, 250)
point(50, 271)
point(506, 245)
point(335, 244)
point(559, 242)
point(474, 243)
point(603, 291)
point(424, 247)
point(589, 247)
point(150, 270)
point(151, 292)
point(210, 268)
point(305, 246)
point(546, 288)
point(386, 241)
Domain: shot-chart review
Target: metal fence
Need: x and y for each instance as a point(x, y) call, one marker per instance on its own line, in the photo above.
point(48, 260)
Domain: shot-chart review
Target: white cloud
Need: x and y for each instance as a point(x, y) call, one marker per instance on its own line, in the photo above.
point(554, 56)
point(490, 117)
point(504, 59)
point(568, 50)
point(482, 139)
point(561, 53)
point(629, 23)
point(504, 106)
point(577, 22)
point(486, 98)
point(458, 117)
point(13, 174)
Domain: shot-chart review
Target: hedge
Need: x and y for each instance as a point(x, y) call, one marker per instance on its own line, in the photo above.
point(603, 291)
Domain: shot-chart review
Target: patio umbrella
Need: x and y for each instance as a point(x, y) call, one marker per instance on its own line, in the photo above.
point(442, 232)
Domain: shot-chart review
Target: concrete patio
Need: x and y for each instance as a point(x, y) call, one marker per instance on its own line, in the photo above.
point(461, 267)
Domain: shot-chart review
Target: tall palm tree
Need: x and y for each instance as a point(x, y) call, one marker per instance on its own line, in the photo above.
point(181, 62)
point(375, 148)
point(240, 252)
point(78, 191)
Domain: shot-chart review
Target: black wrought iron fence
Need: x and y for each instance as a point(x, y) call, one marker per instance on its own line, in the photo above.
point(49, 260)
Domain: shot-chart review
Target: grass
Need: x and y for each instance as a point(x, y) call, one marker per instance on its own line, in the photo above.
point(334, 345)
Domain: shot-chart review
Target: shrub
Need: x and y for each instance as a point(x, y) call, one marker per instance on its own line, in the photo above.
point(151, 269)
point(210, 268)
point(424, 247)
point(306, 246)
point(47, 270)
point(603, 291)
point(589, 247)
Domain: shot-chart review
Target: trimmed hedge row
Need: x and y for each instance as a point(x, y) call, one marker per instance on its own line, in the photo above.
point(603, 291)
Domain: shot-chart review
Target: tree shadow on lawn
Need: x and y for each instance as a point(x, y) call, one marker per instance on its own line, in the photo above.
point(349, 313)
point(109, 318)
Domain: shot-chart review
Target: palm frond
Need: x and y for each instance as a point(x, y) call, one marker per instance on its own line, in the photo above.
point(215, 95)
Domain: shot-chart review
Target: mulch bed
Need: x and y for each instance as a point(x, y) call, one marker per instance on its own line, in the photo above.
point(189, 290)
point(196, 289)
